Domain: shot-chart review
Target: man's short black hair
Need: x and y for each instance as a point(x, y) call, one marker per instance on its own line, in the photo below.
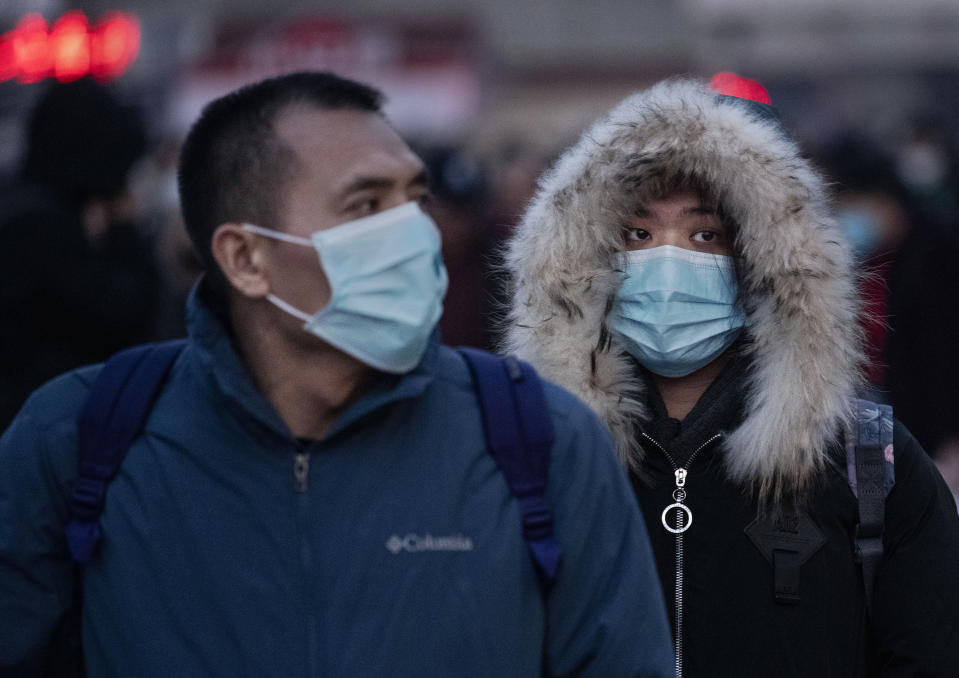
point(233, 166)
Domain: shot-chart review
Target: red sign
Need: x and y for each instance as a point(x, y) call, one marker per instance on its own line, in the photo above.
point(71, 49)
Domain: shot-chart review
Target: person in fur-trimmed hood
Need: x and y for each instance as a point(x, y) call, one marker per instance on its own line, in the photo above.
point(680, 271)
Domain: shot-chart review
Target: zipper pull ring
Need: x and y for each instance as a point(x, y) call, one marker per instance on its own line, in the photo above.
point(679, 496)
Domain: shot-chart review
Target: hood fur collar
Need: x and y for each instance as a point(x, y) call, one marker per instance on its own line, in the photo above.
point(797, 280)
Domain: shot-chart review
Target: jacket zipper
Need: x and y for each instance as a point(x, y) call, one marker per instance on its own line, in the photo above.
point(301, 484)
point(681, 525)
point(301, 471)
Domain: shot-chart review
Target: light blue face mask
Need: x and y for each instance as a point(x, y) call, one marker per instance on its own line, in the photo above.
point(676, 309)
point(861, 229)
point(387, 281)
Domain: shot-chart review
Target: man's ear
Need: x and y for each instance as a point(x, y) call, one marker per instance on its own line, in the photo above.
point(242, 257)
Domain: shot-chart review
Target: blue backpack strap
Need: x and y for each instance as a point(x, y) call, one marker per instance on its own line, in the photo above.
point(117, 407)
point(519, 436)
point(870, 471)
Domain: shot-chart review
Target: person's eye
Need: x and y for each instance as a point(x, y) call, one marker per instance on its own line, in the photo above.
point(707, 236)
point(636, 234)
point(365, 207)
point(425, 199)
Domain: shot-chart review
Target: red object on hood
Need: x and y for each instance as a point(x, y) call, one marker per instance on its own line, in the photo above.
point(737, 86)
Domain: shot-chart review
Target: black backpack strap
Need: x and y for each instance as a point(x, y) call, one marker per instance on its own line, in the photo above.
point(871, 475)
point(519, 436)
point(118, 405)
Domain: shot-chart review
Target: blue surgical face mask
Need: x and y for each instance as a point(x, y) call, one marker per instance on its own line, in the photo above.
point(676, 310)
point(861, 228)
point(387, 283)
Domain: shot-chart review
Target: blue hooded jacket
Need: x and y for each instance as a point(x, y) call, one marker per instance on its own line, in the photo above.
point(397, 551)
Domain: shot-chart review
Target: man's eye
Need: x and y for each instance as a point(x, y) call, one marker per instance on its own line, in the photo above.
point(367, 206)
point(636, 234)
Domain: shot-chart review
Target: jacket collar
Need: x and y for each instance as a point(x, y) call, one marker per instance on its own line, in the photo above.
point(718, 410)
point(214, 355)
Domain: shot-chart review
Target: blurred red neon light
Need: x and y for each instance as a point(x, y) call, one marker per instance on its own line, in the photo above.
point(70, 50)
point(70, 40)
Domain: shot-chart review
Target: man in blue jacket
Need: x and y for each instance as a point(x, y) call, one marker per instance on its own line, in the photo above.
point(311, 494)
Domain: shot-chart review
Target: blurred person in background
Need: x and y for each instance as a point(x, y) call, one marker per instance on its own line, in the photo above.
point(928, 164)
point(312, 492)
point(873, 210)
point(923, 378)
point(155, 189)
point(459, 207)
point(516, 167)
point(77, 279)
point(681, 271)
point(905, 235)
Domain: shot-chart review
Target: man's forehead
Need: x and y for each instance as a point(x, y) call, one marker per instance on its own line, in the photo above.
point(343, 144)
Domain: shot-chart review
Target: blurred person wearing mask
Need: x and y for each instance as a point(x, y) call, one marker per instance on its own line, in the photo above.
point(910, 284)
point(928, 165)
point(312, 493)
point(680, 270)
point(77, 281)
point(874, 213)
point(923, 377)
point(458, 204)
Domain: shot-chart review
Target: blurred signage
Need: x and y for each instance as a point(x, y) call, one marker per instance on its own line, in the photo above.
point(429, 69)
point(70, 49)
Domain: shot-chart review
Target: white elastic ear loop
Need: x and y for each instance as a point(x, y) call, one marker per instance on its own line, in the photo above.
point(283, 306)
point(285, 237)
point(277, 235)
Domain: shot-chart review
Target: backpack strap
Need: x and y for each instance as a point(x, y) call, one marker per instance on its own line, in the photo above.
point(119, 402)
point(871, 474)
point(519, 437)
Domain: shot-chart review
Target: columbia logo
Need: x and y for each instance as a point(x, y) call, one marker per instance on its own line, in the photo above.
point(414, 543)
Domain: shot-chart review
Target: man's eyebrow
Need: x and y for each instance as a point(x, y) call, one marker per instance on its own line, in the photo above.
point(367, 182)
point(421, 179)
point(700, 209)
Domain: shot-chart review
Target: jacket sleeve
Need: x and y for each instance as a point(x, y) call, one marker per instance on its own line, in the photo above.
point(36, 573)
point(606, 614)
point(916, 601)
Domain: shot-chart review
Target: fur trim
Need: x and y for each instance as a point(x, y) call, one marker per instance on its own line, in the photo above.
point(798, 285)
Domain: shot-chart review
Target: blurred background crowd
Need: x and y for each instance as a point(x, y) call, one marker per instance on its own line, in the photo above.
point(96, 95)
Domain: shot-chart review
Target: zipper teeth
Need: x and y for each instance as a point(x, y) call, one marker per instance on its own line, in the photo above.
point(679, 590)
point(678, 640)
point(699, 449)
point(689, 461)
point(661, 448)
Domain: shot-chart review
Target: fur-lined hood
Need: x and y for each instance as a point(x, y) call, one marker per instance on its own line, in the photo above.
point(798, 283)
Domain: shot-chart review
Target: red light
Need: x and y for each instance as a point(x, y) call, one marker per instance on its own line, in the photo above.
point(70, 44)
point(738, 86)
point(31, 45)
point(71, 50)
point(9, 68)
point(116, 43)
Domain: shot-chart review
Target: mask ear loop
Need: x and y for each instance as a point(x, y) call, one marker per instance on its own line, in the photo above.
point(284, 306)
point(277, 235)
point(285, 237)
